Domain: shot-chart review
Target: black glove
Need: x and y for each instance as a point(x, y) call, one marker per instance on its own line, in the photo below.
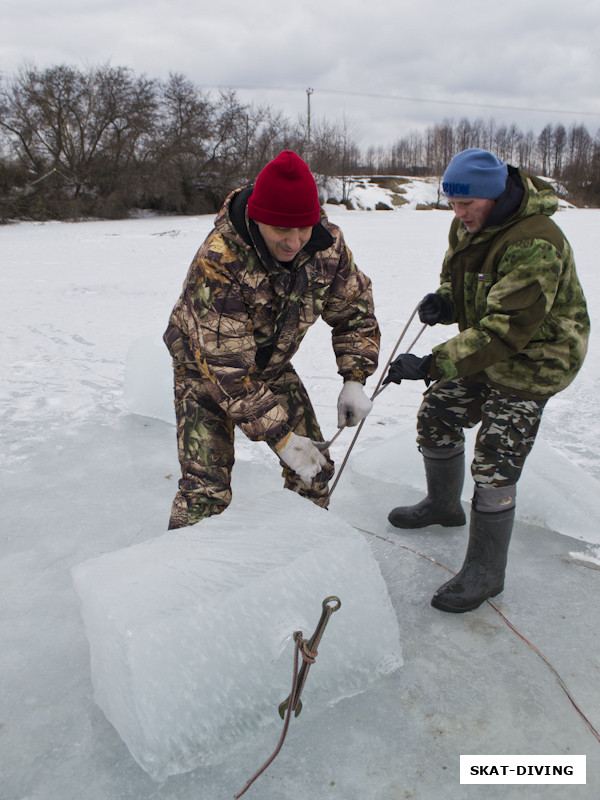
point(410, 368)
point(435, 308)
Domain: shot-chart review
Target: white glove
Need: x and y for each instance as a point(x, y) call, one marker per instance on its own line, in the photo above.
point(300, 454)
point(353, 404)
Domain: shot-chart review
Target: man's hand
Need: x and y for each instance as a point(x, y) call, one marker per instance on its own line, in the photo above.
point(410, 368)
point(353, 405)
point(300, 454)
point(435, 308)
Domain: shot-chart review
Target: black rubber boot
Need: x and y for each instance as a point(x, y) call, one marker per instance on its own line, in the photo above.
point(482, 574)
point(442, 506)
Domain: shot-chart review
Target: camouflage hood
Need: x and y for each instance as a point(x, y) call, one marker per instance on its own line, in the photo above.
point(525, 196)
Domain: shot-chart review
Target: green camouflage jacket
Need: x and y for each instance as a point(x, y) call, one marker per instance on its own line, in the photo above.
point(520, 308)
point(242, 315)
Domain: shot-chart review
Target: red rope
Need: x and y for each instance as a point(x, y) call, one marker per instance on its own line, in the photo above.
point(308, 656)
point(549, 664)
point(510, 625)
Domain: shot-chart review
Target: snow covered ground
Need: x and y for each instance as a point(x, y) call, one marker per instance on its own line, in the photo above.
point(83, 306)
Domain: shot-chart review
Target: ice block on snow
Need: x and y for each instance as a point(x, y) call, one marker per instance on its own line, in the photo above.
point(148, 388)
point(191, 633)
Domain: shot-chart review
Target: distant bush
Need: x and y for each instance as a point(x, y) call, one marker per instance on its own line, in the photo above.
point(103, 142)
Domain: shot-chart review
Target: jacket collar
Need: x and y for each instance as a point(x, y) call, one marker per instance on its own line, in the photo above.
point(509, 201)
point(248, 230)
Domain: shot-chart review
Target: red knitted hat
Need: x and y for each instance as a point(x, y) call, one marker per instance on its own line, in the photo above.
point(285, 194)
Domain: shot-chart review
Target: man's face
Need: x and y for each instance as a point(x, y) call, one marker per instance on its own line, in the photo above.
point(473, 212)
point(284, 243)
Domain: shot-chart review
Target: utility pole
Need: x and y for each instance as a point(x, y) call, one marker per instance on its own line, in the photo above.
point(309, 91)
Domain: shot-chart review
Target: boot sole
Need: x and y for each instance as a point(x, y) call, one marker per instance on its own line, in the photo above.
point(456, 523)
point(436, 603)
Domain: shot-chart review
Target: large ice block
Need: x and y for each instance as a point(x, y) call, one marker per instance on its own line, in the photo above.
point(191, 634)
point(148, 386)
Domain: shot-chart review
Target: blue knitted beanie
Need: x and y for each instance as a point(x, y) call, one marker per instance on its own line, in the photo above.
point(475, 173)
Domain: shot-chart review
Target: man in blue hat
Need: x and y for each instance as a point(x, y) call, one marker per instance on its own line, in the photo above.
point(509, 282)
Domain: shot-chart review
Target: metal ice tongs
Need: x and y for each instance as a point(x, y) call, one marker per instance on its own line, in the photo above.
point(330, 604)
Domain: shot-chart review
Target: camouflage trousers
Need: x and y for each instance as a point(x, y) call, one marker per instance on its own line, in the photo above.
point(509, 425)
point(205, 446)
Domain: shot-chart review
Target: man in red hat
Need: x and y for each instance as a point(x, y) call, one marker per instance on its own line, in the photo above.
point(272, 266)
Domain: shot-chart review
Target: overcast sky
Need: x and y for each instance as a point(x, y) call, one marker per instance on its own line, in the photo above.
point(388, 66)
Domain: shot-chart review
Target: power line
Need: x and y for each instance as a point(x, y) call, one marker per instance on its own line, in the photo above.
point(461, 103)
point(403, 99)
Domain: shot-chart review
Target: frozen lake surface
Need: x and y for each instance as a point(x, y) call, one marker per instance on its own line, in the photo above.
point(87, 471)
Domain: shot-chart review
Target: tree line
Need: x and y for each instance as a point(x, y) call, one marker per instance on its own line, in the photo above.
point(105, 141)
point(570, 157)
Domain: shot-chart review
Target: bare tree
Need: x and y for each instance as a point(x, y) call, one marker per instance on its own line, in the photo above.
point(527, 152)
point(105, 140)
point(463, 135)
point(514, 139)
point(559, 141)
point(440, 146)
point(80, 132)
point(177, 147)
point(501, 145)
point(580, 148)
point(544, 146)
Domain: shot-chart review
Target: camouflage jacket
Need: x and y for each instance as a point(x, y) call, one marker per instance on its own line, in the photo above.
point(242, 315)
point(520, 308)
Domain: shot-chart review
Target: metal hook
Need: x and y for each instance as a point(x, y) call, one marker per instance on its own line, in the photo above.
point(330, 604)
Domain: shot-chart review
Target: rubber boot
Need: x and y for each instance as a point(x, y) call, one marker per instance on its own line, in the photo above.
point(442, 506)
point(482, 573)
